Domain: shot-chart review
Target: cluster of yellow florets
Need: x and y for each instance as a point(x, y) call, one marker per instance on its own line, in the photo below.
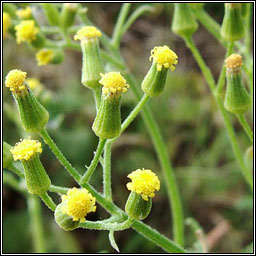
point(24, 13)
point(78, 203)
point(234, 62)
point(25, 149)
point(164, 57)
point(144, 182)
point(44, 57)
point(26, 31)
point(113, 83)
point(7, 22)
point(87, 32)
point(15, 80)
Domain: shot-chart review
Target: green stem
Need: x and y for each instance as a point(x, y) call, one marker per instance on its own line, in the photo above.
point(86, 177)
point(48, 201)
point(11, 181)
point(34, 207)
point(57, 189)
point(117, 34)
point(221, 80)
point(48, 140)
point(232, 136)
point(114, 226)
point(245, 126)
point(16, 170)
point(107, 171)
point(97, 96)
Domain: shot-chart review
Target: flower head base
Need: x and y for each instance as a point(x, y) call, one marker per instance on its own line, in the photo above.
point(26, 31)
point(113, 83)
point(44, 57)
point(164, 57)
point(79, 202)
point(24, 13)
point(7, 22)
point(144, 182)
point(15, 80)
point(25, 149)
point(234, 62)
point(87, 32)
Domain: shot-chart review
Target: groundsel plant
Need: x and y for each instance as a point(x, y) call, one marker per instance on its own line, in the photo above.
point(108, 89)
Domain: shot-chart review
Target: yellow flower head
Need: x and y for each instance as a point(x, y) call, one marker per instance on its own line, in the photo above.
point(24, 13)
point(144, 182)
point(44, 56)
point(7, 22)
point(26, 31)
point(79, 202)
point(234, 62)
point(15, 80)
point(25, 149)
point(164, 57)
point(34, 83)
point(87, 32)
point(113, 83)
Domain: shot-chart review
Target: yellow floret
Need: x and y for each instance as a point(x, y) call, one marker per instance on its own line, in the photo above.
point(144, 182)
point(234, 62)
point(164, 57)
point(113, 83)
point(25, 149)
point(15, 80)
point(26, 31)
point(79, 202)
point(87, 32)
point(24, 13)
point(44, 57)
point(7, 22)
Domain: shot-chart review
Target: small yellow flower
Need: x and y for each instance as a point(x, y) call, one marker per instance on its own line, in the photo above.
point(25, 149)
point(15, 80)
point(113, 83)
point(234, 62)
point(164, 57)
point(79, 202)
point(26, 31)
point(144, 182)
point(87, 32)
point(7, 22)
point(24, 13)
point(44, 57)
point(34, 83)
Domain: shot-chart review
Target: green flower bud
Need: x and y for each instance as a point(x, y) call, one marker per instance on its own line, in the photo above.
point(92, 63)
point(154, 81)
point(232, 27)
point(33, 115)
point(39, 42)
point(49, 56)
point(7, 155)
point(63, 220)
point(138, 208)
point(37, 180)
point(184, 23)
point(68, 14)
point(107, 124)
point(51, 13)
point(237, 99)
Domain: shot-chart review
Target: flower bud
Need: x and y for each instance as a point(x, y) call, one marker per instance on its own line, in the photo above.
point(27, 151)
point(184, 23)
point(51, 13)
point(163, 59)
point(68, 14)
point(33, 115)
point(143, 186)
point(92, 63)
point(107, 124)
point(7, 155)
point(25, 13)
point(49, 56)
point(74, 208)
point(237, 99)
point(232, 27)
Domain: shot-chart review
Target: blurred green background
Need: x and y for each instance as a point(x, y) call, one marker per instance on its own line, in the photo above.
point(212, 188)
